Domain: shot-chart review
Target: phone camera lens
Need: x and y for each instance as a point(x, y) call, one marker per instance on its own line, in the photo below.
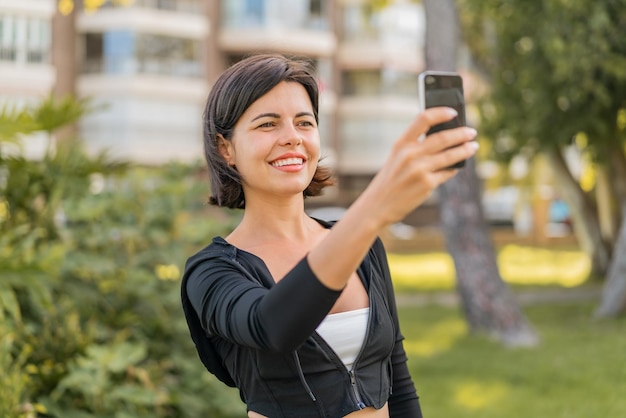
point(430, 79)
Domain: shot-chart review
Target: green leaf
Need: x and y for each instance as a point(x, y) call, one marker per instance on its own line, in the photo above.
point(9, 303)
point(125, 354)
point(133, 394)
point(14, 122)
point(53, 113)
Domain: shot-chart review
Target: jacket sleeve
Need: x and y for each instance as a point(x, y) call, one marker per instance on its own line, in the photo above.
point(403, 402)
point(240, 310)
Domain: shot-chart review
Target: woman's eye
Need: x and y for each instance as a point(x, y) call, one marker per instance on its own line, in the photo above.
point(266, 125)
point(305, 123)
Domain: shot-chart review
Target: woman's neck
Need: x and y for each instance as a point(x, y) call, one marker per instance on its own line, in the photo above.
point(265, 221)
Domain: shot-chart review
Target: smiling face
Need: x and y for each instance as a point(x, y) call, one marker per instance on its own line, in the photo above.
point(275, 144)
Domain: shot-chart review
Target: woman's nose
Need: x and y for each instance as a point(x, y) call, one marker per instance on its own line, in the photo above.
point(290, 136)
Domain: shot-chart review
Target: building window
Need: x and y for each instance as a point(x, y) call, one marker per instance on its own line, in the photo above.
point(360, 23)
point(399, 23)
point(118, 52)
point(37, 41)
point(361, 83)
point(24, 39)
point(7, 38)
point(294, 14)
point(168, 55)
point(125, 52)
point(185, 6)
point(368, 83)
point(92, 62)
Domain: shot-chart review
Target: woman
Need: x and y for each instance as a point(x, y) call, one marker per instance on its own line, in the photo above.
point(301, 312)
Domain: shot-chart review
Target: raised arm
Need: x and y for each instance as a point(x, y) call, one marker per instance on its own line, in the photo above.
point(411, 173)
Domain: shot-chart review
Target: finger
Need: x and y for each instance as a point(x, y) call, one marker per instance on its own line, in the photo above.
point(442, 176)
point(425, 120)
point(448, 138)
point(441, 161)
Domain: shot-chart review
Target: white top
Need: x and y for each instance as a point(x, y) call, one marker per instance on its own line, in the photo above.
point(345, 332)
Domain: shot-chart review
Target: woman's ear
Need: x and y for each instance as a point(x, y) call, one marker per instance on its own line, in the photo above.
point(226, 150)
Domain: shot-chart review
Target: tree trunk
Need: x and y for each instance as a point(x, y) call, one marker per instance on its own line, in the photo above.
point(613, 301)
point(489, 305)
point(617, 171)
point(65, 63)
point(584, 216)
point(605, 200)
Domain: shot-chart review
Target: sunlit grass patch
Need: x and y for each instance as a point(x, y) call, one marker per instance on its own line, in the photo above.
point(526, 265)
point(422, 271)
point(476, 395)
point(436, 338)
point(518, 265)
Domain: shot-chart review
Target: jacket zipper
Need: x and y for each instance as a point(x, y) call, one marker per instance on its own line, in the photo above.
point(355, 389)
point(353, 382)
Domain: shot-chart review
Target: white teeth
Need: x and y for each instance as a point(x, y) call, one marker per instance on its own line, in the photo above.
point(287, 161)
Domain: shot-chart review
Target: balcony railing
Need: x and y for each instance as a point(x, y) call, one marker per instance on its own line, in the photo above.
point(8, 53)
point(185, 6)
point(187, 69)
point(275, 14)
point(24, 55)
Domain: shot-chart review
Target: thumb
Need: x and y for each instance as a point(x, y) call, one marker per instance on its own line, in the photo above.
point(430, 117)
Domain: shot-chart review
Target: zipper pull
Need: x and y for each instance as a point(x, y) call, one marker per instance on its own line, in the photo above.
point(359, 402)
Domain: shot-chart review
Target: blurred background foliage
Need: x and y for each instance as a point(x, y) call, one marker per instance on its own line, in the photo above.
point(90, 253)
point(556, 91)
point(91, 249)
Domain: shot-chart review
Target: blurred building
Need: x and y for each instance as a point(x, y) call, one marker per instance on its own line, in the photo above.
point(151, 64)
point(144, 63)
point(26, 70)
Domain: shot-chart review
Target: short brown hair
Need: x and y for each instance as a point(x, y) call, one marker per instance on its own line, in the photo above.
point(233, 92)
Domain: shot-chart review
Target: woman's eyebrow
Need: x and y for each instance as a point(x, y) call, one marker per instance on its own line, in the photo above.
point(266, 115)
point(277, 116)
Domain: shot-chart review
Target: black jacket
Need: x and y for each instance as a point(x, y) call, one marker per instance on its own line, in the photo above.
point(265, 334)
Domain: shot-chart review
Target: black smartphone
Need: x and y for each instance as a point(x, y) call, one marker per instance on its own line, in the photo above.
point(439, 88)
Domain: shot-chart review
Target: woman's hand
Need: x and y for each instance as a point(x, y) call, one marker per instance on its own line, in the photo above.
point(415, 168)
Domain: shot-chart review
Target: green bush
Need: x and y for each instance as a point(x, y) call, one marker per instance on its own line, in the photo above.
point(13, 379)
point(91, 254)
point(98, 310)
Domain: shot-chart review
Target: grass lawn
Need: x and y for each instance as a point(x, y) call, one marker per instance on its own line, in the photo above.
point(518, 265)
point(578, 370)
